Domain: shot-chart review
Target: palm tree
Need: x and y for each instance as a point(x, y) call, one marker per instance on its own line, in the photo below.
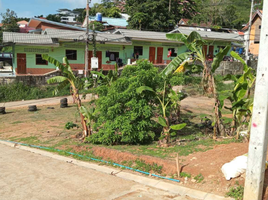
point(195, 43)
point(68, 77)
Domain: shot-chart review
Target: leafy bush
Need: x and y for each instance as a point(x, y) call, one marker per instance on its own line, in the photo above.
point(70, 125)
point(236, 192)
point(182, 79)
point(123, 115)
point(19, 91)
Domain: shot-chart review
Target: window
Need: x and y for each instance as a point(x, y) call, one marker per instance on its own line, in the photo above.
point(39, 60)
point(173, 52)
point(259, 26)
point(114, 56)
point(139, 50)
point(71, 54)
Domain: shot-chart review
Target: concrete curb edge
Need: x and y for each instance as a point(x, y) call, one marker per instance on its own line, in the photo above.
point(159, 184)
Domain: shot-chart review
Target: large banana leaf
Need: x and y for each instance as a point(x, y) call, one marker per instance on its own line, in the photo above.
point(180, 38)
point(54, 62)
point(178, 126)
point(144, 88)
point(174, 64)
point(219, 57)
point(236, 56)
point(56, 79)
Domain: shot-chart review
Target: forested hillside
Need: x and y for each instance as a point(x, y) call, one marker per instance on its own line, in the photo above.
point(225, 13)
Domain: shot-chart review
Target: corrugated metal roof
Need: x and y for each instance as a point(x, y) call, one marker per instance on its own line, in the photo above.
point(211, 35)
point(26, 38)
point(149, 35)
point(112, 21)
point(78, 35)
point(58, 24)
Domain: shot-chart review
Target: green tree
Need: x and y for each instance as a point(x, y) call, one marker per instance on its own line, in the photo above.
point(159, 18)
point(195, 43)
point(76, 84)
point(9, 22)
point(53, 17)
point(97, 26)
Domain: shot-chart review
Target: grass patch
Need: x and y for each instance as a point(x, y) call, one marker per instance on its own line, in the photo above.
point(199, 178)
point(236, 192)
point(17, 122)
point(19, 91)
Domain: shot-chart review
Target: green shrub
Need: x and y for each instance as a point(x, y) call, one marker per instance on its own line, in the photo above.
point(182, 79)
point(123, 115)
point(19, 91)
point(236, 192)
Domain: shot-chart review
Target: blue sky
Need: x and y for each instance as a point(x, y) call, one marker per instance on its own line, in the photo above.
point(31, 8)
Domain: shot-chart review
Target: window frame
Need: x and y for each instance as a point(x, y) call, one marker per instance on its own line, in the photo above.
point(113, 52)
point(46, 62)
point(173, 54)
point(140, 52)
point(66, 54)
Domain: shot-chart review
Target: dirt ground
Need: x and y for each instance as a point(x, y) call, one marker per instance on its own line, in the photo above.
point(44, 128)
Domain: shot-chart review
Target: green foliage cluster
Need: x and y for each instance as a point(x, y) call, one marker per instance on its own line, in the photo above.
point(142, 165)
point(9, 21)
point(223, 13)
point(182, 79)
point(236, 192)
point(19, 91)
point(107, 8)
point(70, 125)
point(122, 115)
point(199, 178)
point(155, 15)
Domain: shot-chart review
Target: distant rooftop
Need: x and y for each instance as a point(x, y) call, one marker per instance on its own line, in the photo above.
point(67, 26)
point(121, 22)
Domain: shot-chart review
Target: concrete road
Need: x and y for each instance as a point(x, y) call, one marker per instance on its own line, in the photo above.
point(26, 175)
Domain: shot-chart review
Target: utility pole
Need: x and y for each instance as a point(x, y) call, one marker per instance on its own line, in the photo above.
point(169, 7)
point(259, 126)
point(87, 40)
point(249, 29)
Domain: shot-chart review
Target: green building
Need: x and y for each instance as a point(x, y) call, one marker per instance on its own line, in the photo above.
point(124, 46)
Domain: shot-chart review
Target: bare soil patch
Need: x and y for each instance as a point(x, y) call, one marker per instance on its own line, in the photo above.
point(46, 127)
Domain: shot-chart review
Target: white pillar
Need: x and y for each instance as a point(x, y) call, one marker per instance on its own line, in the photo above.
point(258, 134)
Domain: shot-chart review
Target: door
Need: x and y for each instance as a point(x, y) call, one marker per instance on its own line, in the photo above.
point(152, 54)
point(99, 56)
point(159, 54)
point(211, 51)
point(21, 63)
point(205, 51)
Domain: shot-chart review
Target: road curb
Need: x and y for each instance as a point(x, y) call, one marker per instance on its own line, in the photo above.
point(155, 183)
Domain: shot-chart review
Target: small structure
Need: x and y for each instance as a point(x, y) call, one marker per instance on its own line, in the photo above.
point(255, 33)
point(42, 24)
point(109, 23)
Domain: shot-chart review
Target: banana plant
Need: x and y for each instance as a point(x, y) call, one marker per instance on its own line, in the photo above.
point(107, 79)
point(242, 103)
point(163, 120)
point(89, 116)
point(68, 77)
point(195, 43)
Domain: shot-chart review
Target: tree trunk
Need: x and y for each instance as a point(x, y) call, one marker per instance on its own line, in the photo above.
point(218, 127)
point(210, 88)
point(207, 80)
point(166, 136)
point(83, 122)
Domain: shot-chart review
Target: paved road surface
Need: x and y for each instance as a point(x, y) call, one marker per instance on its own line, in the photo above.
point(26, 175)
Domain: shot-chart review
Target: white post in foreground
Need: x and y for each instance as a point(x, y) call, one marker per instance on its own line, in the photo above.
point(258, 134)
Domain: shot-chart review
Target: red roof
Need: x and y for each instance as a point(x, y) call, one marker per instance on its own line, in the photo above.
point(257, 13)
point(22, 22)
